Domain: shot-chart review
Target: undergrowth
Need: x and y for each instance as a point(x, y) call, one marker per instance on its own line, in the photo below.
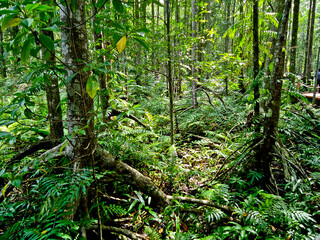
point(209, 139)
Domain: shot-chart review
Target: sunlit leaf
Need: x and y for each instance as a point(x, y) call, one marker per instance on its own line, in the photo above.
point(121, 44)
point(11, 23)
point(92, 87)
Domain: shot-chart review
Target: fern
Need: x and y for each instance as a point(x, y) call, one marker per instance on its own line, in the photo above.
point(214, 215)
point(152, 233)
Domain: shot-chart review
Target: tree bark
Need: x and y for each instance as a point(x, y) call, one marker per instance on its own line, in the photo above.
point(74, 46)
point(256, 89)
point(310, 45)
point(294, 40)
point(3, 60)
point(273, 105)
point(53, 99)
point(97, 37)
point(169, 72)
point(193, 57)
point(305, 73)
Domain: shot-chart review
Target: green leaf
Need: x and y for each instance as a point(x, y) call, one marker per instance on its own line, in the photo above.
point(10, 23)
point(92, 87)
point(4, 134)
point(142, 43)
point(7, 11)
point(63, 146)
point(17, 181)
point(74, 5)
point(117, 5)
point(28, 113)
point(158, 3)
point(47, 42)
point(27, 22)
point(32, 6)
point(25, 53)
point(69, 78)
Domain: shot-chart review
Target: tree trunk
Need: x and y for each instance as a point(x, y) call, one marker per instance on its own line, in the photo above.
point(74, 45)
point(83, 148)
point(53, 100)
point(3, 60)
point(256, 89)
point(97, 37)
point(193, 57)
point(294, 40)
point(305, 72)
point(169, 71)
point(310, 45)
point(273, 105)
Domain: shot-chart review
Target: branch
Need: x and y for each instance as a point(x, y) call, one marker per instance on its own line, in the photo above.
point(44, 144)
point(129, 175)
point(118, 230)
point(225, 208)
point(115, 112)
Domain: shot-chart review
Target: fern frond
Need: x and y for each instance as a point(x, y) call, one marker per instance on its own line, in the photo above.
point(152, 233)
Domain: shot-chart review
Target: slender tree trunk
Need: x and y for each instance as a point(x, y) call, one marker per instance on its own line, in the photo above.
point(53, 99)
point(310, 45)
point(305, 70)
point(169, 71)
point(3, 60)
point(227, 42)
point(193, 57)
point(294, 40)
point(97, 37)
point(256, 59)
point(273, 105)
point(177, 51)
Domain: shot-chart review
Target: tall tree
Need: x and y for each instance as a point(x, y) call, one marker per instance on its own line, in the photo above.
point(310, 44)
point(271, 120)
point(294, 40)
point(53, 97)
point(193, 57)
point(255, 19)
point(97, 37)
point(3, 60)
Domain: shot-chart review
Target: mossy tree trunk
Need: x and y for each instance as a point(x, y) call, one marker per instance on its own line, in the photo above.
point(273, 106)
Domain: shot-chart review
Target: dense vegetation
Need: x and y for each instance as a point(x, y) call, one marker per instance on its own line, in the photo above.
point(158, 120)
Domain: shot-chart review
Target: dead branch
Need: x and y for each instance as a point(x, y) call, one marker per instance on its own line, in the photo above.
point(129, 175)
point(122, 231)
point(115, 112)
point(41, 145)
point(225, 208)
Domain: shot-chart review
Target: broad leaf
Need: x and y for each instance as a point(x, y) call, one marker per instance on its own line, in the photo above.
point(28, 113)
point(25, 53)
point(11, 23)
point(158, 3)
point(142, 43)
point(118, 5)
point(4, 134)
point(121, 44)
point(47, 42)
point(92, 87)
